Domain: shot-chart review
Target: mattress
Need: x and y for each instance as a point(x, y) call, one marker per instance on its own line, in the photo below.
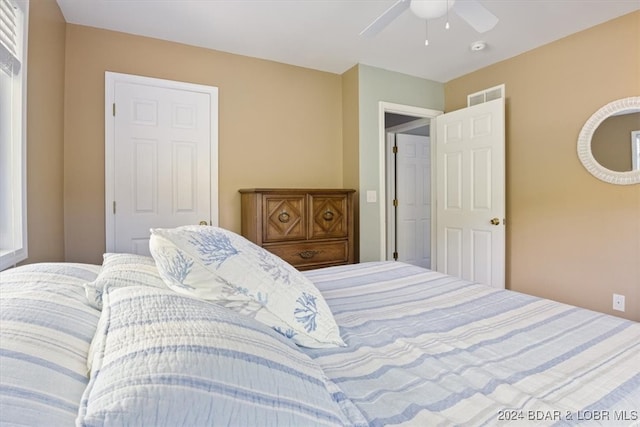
point(424, 348)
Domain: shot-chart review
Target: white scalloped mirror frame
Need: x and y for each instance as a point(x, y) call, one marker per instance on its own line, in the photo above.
point(584, 143)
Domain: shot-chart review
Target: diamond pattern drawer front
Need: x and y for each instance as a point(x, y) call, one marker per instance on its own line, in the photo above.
point(285, 219)
point(329, 216)
point(309, 228)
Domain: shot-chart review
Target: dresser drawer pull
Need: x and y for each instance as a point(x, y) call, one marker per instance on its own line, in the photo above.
point(328, 215)
point(284, 217)
point(308, 254)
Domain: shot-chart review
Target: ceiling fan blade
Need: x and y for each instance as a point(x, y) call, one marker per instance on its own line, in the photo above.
point(386, 18)
point(476, 15)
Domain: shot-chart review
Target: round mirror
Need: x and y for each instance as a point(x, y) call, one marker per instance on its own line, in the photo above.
point(609, 142)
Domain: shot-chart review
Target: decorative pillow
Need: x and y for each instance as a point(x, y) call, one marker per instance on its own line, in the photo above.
point(163, 359)
point(218, 265)
point(123, 270)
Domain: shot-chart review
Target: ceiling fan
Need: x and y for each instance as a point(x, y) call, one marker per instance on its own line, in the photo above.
point(471, 11)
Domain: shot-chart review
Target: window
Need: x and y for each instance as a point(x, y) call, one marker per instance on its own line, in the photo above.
point(13, 107)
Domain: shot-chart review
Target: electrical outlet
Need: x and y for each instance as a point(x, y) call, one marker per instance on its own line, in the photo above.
point(618, 302)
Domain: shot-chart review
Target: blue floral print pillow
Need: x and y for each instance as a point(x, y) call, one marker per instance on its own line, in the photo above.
point(218, 265)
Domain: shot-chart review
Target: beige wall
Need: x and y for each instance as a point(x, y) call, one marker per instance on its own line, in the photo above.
point(279, 125)
point(351, 141)
point(570, 237)
point(45, 94)
point(350, 128)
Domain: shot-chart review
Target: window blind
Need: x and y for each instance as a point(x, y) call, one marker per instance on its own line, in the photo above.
point(14, 23)
point(9, 58)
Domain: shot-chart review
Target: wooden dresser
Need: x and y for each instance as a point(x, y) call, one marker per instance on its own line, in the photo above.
point(308, 228)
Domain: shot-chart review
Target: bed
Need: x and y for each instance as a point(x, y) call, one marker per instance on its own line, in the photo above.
point(144, 341)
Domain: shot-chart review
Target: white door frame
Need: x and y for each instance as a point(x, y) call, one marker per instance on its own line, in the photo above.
point(109, 140)
point(407, 110)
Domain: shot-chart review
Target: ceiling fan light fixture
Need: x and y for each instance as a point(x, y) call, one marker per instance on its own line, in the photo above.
point(430, 9)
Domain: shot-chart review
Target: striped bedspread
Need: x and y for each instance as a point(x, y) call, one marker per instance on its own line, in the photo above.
point(46, 327)
point(426, 349)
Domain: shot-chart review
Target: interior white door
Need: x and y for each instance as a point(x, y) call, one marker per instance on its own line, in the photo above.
point(162, 162)
point(470, 182)
point(413, 183)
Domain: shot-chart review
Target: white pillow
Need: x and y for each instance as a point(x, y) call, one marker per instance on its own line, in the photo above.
point(122, 270)
point(215, 264)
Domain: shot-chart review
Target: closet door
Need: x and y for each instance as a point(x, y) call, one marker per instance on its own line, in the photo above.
point(161, 156)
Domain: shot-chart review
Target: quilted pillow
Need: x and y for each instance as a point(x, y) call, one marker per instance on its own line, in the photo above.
point(123, 270)
point(218, 265)
point(163, 359)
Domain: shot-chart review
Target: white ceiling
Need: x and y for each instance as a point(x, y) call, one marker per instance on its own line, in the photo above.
point(324, 34)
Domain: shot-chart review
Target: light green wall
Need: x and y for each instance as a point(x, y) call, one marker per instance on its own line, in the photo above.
point(376, 85)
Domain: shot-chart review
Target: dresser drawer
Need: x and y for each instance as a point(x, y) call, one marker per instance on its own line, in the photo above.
point(310, 254)
point(284, 217)
point(329, 216)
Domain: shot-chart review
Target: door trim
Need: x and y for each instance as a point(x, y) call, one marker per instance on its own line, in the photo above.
point(111, 79)
point(407, 110)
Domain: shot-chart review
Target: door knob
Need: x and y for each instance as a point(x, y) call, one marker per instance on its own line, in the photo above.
point(204, 223)
point(495, 221)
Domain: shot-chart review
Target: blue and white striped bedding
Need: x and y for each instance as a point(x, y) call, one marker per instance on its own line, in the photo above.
point(46, 327)
point(428, 349)
point(422, 349)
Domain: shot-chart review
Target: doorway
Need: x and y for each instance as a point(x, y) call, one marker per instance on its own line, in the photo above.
point(467, 184)
point(406, 210)
point(409, 189)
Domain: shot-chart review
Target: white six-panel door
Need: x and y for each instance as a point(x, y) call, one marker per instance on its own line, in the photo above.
point(471, 193)
point(159, 172)
point(413, 183)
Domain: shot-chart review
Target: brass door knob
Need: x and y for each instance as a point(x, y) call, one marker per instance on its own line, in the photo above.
point(204, 223)
point(495, 221)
